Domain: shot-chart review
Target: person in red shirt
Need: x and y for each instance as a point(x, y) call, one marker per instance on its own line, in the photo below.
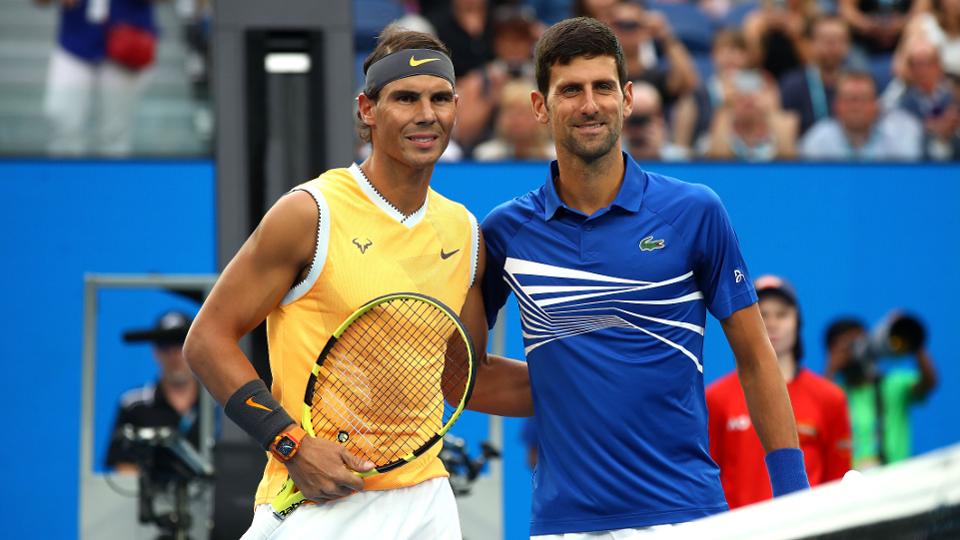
point(820, 408)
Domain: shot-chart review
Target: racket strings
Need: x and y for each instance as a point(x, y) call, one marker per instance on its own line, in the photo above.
point(394, 378)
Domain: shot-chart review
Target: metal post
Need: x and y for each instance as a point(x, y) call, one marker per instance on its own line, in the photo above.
point(88, 390)
point(93, 486)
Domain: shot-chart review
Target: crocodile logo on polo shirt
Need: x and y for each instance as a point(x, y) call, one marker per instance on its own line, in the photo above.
point(649, 244)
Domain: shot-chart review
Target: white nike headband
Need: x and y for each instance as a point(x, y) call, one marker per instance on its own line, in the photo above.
point(408, 63)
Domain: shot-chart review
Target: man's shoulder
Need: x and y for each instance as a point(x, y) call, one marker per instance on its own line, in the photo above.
point(896, 120)
point(900, 378)
point(900, 135)
point(508, 217)
point(824, 136)
point(827, 128)
point(142, 396)
point(330, 181)
point(336, 173)
point(448, 212)
point(492, 150)
point(794, 82)
point(822, 387)
point(671, 197)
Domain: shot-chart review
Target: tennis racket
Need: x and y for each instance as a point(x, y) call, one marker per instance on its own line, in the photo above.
point(388, 385)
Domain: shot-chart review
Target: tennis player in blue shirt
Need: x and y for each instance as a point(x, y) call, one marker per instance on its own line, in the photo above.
point(614, 269)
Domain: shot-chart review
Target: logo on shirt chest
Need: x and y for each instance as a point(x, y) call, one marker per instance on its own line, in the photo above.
point(362, 244)
point(649, 244)
point(739, 423)
point(807, 429)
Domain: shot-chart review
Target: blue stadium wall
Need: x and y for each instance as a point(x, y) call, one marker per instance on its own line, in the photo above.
point(854, 240)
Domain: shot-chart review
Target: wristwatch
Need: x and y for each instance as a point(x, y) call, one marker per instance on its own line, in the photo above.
point(287, 443)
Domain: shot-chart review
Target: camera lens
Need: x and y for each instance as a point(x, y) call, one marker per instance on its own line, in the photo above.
point(907, 335)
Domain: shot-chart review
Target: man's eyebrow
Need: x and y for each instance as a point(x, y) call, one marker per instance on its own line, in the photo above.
point(404, 93)
point(580, 84)
point(416, 94)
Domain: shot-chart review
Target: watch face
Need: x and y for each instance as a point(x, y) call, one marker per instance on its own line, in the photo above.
point(285, 446)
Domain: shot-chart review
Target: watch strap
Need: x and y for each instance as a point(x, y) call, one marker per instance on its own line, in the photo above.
point(295, 434)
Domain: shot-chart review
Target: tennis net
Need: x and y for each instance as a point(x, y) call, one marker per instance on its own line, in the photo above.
point(915, 499)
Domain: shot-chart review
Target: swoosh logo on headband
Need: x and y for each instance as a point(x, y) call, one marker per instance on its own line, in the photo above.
point(414, 62)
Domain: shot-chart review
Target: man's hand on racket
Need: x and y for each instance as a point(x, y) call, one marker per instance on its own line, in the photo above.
point(325, 470)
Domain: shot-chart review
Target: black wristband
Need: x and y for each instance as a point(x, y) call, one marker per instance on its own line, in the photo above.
point(255, 410)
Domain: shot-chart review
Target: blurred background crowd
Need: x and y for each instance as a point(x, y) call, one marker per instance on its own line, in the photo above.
point(747, 80)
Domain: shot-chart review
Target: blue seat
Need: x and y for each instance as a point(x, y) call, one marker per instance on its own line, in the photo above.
point(551, 11)
point(738, 13)
point(369, 19)
point(692, 26)
point(704, 64)
point(358, 59)
point(881, 67)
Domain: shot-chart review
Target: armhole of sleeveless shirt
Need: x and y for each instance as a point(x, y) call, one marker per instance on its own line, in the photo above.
point(320, 251)
point(474, 246)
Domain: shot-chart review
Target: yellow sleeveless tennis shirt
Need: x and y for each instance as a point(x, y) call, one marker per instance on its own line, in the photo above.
point(365, 248)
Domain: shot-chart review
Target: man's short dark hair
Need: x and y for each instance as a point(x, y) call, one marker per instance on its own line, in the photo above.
point(395, 38)
point(729, 37)
point(857, 75)
point(824, 18)
point(840, 327)
point(574, 38)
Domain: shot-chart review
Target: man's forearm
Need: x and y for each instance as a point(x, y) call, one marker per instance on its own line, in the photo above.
point(219, 364)
point(854, 17)
point(769, 404)
point(928, 375)
point(772, 417)
point(767, 399)
point(683, 75)
point(502, 388)
point(223, 368)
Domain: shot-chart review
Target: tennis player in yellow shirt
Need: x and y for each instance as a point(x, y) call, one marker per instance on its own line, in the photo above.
point(321, 252)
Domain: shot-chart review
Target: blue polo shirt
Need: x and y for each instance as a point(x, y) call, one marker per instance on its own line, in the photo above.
point(613, 308)
point(88, 40)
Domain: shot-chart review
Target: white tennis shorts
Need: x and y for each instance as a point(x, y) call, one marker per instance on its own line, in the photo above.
point(426, 510)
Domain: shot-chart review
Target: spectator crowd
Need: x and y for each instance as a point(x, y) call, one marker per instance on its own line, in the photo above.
point(823, 80)
point(750, 80)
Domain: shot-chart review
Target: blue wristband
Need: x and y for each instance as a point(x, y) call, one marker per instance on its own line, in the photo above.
point(786, 470)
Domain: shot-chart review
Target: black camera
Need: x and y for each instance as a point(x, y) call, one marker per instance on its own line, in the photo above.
point(167, 462)
point(898, 334)
point(165, 455)
point(464, 468)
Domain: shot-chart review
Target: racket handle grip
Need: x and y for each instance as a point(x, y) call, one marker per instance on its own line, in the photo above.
point(287, 500)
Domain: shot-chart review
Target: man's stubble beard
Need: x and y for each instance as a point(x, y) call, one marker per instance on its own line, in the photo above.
point(591, 152)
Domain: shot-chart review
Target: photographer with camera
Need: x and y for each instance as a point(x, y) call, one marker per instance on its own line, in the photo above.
point(156, 436)
point(169, 402)
point(880, 401)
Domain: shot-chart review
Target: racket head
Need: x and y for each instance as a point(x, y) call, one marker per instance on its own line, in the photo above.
point(391, 380)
